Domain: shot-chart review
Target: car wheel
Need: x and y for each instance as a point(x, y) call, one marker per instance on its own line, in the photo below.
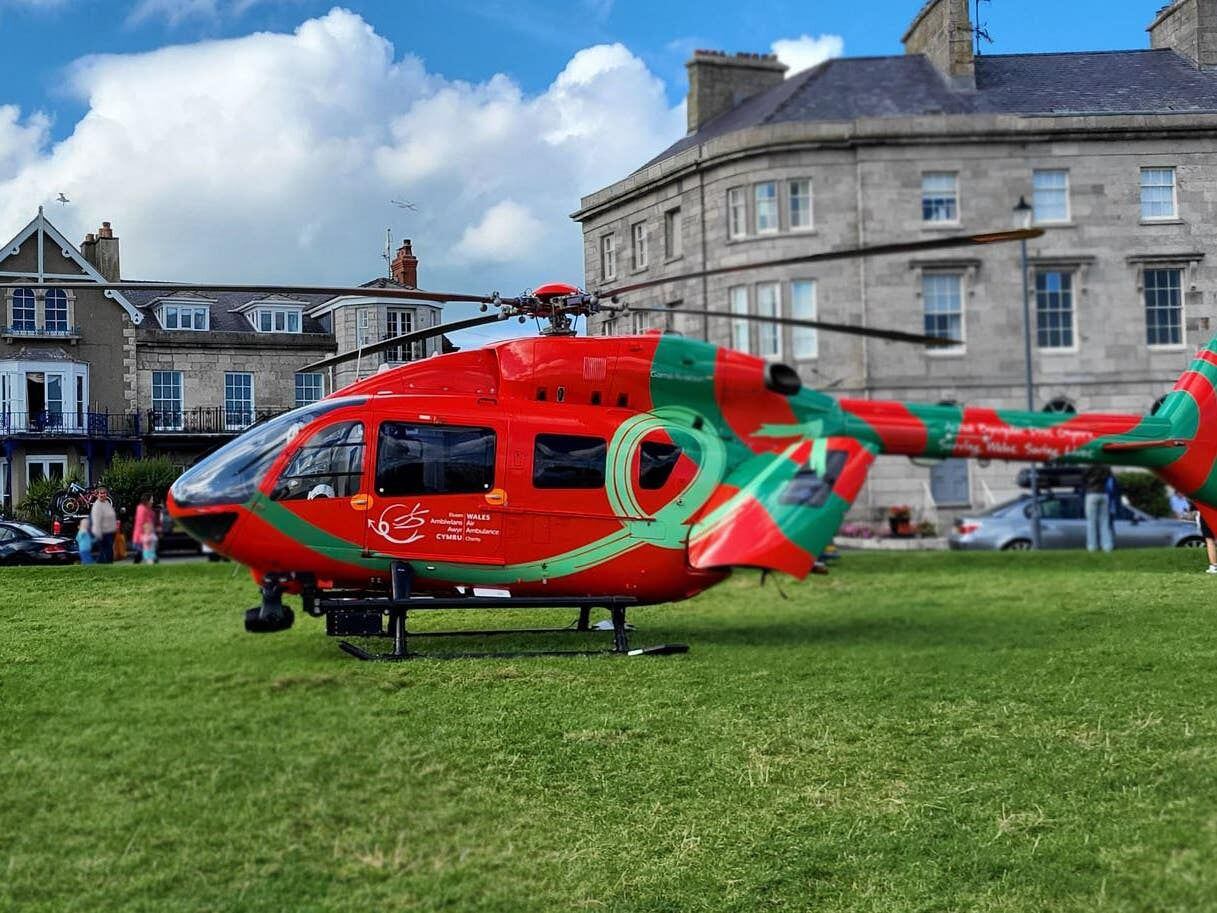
point(1017, 545)
point(1190, 542)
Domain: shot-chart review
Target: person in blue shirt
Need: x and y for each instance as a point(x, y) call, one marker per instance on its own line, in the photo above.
point(84, 541)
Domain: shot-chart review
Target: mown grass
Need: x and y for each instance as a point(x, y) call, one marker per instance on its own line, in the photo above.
point(913, 733)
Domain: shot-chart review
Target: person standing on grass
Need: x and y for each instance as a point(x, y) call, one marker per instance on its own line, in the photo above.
point(144, 519)
point(1098, 510)
point(148, 538)
point(1210, 543)
point(103, 522)
point(84, 541)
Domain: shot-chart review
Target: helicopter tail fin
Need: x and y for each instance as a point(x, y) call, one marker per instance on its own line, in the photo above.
point(779, 510)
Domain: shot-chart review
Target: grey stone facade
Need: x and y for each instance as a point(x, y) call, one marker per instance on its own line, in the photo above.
point(866, 176)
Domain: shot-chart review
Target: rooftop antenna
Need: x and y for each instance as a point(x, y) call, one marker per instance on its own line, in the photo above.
point(979, 30)
point(388, 254)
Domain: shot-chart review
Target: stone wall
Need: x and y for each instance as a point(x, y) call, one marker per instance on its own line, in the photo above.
point(1189, 27)
point(943, 33)
point(718, 82)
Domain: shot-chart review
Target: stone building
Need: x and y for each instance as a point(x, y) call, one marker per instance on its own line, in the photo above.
point(86, 375)
point(1114, 150)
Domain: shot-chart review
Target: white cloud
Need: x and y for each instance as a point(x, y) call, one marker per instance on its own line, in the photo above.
point(273, 157)
point(173, 11)
point(506, 232)
point(805, 51)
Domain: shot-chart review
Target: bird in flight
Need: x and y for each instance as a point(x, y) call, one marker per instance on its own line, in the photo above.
point(404, 204)
point(63, 199)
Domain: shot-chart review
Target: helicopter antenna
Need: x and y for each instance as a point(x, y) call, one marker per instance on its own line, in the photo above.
point(979, 30)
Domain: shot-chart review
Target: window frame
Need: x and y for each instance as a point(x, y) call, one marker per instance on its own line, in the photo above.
point(271, 313)
point(1173, 216)
point(737, 213)
point(957, 198)
point(603, 447)
point(61, 296)
point(775, 199)
point(804, 333)
point(811, 210)
point(24, 294)
point(673, 234)
point(487, 483)
point(1065, 190)
point(638, 244)
point(278, 494)
point(961, 346)
point(178, 423)
point(251, 409)
point(1179, 271)
point(1072, 276)
point(764, 329)
point(743, 327)
point(608, 256)
point(302, 375)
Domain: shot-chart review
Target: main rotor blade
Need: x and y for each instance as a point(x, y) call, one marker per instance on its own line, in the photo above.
point(393, 342)
point(873, 332)
point(877, 250)
point(336, 290)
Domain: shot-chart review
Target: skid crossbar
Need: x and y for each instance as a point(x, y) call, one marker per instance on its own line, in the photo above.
point(370, 612)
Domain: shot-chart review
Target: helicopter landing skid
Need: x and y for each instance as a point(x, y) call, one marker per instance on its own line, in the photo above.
point(364, 617)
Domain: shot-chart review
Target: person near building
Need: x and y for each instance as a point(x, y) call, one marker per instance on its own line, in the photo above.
point(145, 518)
point(148, 539)
point(1098, 510)
point(103, 522)
point(1179, 504)
point(84, 541)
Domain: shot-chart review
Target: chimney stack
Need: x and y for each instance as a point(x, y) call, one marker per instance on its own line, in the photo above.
point(1188, 27)
point(102, 251)
point(717, 82)
point(405, 266)
point(942, 32)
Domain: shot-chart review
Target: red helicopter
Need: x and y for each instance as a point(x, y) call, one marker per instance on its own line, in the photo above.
point(600, 472)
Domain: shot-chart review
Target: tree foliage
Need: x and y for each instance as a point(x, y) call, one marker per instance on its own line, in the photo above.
point(1145, 492)
point(128, 480)
point(35, 507)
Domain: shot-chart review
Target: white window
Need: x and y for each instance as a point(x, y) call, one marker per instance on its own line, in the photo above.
point(276, 320)
point(803, 307)
point(1158, 197)
point(766, 208)
point(942, 299)
point(1050, 196)
point(40, 467)
point(769, 304)
point(167, 400)
point(608, 256)
point(672, 241)
point(1163, 306)
point(800, 205)
point(740, 333)
point(638, 245)
point(940, 196)
point(310, 387)
point(397, 323)
point(238, 400)
point(56, 305)
point(362, 324)
point(23, 311)
point(737, 213)
point(639, 322)
point(183, 317)
point(1054, 309)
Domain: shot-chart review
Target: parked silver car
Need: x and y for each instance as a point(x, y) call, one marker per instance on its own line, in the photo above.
point(1063, 525)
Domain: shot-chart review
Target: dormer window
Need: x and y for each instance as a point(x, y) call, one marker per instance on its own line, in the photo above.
point(183, 317)
point(276, 319)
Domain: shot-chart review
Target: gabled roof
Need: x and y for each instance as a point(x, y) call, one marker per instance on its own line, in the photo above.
point(41, 227)
point(1072, 83)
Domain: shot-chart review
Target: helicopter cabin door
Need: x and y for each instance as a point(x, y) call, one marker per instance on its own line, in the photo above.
point(434, 489)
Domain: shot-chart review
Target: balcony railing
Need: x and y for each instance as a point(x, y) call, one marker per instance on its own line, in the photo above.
point(48, 423)
point(206, 420)
point(30, 331)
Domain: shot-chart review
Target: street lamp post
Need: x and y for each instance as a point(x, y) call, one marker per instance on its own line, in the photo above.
point(1022, 219)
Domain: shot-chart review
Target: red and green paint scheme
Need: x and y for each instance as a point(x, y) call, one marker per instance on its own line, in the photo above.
point(759, 471)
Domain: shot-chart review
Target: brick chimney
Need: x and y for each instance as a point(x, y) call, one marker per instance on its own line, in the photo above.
point(718, 83)
point(1188, 27)
point(405, 266)
point(942, 32)
point(102, 251)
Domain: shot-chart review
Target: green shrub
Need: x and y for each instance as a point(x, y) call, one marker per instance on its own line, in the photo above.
point(128, 480)
point(1145, 492)
point(35, 507)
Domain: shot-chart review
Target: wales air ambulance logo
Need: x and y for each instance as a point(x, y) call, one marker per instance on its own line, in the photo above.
point(399, 525)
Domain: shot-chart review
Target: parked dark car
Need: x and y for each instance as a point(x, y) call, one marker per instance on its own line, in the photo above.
point(24, 543)
point(1063, 525)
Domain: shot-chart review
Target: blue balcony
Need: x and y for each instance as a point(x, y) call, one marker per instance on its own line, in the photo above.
point(51, 424)
point(33, 331)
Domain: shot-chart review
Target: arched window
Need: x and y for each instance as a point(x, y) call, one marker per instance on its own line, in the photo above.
point(23, 310)
point(56, 311)
point(1062, 405)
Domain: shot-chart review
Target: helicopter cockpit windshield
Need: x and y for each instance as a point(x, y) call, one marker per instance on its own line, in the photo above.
point(232, 473)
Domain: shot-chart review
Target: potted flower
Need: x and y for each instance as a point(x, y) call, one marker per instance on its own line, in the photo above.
point(900, 520)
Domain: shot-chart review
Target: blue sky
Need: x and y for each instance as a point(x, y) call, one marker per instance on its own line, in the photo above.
point(530, 40)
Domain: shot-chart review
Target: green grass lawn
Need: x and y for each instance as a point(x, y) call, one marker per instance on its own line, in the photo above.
point(919, 732)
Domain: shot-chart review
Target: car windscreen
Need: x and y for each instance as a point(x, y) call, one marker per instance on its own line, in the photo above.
point(232, 473)
point(28, 529)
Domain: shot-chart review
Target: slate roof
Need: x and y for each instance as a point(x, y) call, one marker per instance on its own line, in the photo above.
point(1082, 82)
point(221, 307)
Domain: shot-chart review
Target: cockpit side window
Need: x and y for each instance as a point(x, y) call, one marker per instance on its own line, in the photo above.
point(328, 465)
